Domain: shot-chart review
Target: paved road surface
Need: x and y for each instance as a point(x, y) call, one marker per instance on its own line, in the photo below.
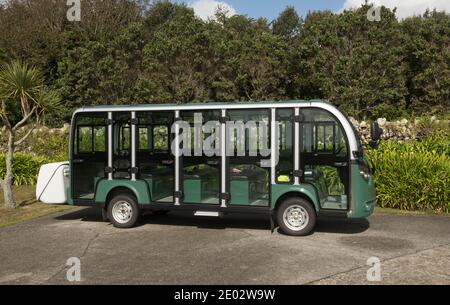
point(179, 249)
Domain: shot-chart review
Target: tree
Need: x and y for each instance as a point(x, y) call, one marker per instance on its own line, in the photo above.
point(32, 30)
point(427, 52)
point(356, 64)
point(176, 59)
point(20, 89)
point(253, 61)
point(100, 72)
point(288, 23)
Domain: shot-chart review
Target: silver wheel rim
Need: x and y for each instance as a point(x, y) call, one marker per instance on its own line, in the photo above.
point(296, 218)
point(122, 211)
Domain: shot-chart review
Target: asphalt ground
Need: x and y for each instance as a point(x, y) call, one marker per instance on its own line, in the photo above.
point(238, 249)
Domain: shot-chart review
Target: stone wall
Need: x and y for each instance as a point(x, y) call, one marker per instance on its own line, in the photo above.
point(401, 130)
point(43, 141)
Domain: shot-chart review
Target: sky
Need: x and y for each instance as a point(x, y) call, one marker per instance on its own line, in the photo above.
point(271, 8)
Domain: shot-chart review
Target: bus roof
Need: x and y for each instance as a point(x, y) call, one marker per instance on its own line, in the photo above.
point(201, 105)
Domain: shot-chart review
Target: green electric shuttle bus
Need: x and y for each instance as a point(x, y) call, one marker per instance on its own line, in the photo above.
point(293, 161)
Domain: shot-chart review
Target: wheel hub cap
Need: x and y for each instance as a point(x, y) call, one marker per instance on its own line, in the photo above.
point(122, 212)
point(296, 218)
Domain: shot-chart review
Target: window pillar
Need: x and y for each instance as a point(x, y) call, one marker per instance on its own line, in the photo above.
point(223, 155)
point(297, 147)
point(177, 158)
point(110, 145)
point(133, 145)
point(274, 145)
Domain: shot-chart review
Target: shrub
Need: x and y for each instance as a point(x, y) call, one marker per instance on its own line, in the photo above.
point(413, 175)
point(25, 168)
point(50, 143)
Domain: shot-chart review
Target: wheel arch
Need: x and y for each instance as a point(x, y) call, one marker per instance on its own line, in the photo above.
point(306, 192)
point(106, 190)
point(119, 190)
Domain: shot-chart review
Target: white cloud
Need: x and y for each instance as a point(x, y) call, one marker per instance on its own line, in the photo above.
point(207, 8)
point(405, 8)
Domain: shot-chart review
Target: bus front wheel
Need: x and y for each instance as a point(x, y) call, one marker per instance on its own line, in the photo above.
point(123, 211)
point(296, 216)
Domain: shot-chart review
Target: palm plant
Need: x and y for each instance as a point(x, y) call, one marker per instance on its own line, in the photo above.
point(20, 87)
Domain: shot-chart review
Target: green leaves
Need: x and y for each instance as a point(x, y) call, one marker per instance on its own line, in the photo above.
point(413, 175)
point(18, 80)
point(25, 168)
point(20, 85)
point(123, 54)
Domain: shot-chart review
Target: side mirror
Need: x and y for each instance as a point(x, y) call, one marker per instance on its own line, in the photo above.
point(375, 134)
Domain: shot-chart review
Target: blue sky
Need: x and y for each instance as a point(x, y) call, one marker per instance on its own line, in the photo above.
point(271, 8)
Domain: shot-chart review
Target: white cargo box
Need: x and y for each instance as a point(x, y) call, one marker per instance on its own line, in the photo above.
point(52, 183)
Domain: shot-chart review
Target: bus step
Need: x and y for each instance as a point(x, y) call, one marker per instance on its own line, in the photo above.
point(207, 214)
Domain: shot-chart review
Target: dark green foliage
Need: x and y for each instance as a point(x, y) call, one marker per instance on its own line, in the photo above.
point(288, 24)
point(428, 55)
point(344, 58)
point(132, 52)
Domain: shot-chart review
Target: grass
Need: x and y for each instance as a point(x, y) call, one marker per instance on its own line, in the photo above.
point(391, 211)
point(28, 208)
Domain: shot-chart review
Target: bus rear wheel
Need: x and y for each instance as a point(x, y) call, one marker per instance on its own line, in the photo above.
point(296, 217)
point(123, 211)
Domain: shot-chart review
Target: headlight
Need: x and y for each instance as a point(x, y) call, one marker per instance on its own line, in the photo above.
point(364, 171)
point(365, 175)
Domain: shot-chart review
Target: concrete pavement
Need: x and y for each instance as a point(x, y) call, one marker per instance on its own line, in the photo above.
point(180, 249)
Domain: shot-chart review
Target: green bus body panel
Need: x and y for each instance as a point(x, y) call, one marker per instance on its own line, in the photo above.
point(240, 192)
point(138, 187)
point(159, 189)
point(362, 199)
point(193, 191)
point(69, 194)
point(363, 194)
point(308, 190)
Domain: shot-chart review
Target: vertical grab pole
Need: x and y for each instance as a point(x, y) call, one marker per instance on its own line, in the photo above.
point(274, 145)
point(133, 145)
point(297, 147)
point(110, 145)
point(274, 157)
point(223, 156)
point(177, 157)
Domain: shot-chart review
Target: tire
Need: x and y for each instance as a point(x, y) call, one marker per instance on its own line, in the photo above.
point(296, 217)
point(123, 211)
point(105, 215)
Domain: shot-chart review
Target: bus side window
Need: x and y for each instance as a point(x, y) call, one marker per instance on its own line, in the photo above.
point(143, 139)
point(89, 157)
point(85, 139)
point(285, 167)
point(322, 134)
point(125, 140)
point(91, 139)
point(325, 157)
point(161, 138)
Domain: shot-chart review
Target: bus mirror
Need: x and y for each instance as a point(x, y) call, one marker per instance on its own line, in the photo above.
point(376, 132)
point(373, 144)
